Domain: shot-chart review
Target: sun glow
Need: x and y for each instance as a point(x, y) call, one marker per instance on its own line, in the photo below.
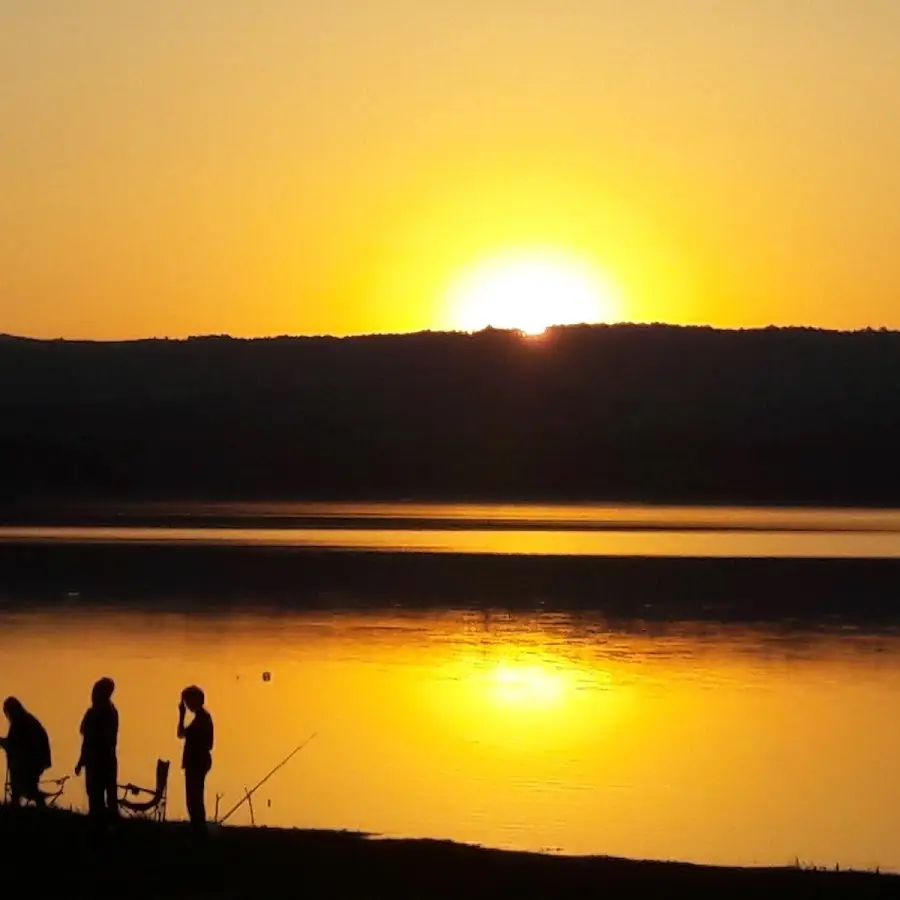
point(528, 685)
point(510, 688)
point(530, 294)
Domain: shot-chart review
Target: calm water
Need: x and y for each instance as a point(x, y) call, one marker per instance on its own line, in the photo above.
point(572, 530)
point(712, 742)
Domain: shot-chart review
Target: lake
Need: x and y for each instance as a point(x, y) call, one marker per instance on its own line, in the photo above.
point(699, 692)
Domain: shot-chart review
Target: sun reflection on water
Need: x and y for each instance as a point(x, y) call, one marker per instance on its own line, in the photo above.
point(524, 694)
point(523, 730)
point(528, 685)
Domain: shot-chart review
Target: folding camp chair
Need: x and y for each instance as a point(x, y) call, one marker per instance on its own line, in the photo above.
point(56, 787)
point(153, 804)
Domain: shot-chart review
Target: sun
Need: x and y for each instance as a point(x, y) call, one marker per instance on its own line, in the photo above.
point(530, 294)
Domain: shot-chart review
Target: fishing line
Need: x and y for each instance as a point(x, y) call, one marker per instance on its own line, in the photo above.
point(258, 785)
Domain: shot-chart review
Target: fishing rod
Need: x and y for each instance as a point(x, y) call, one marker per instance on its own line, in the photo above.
point(258, 785)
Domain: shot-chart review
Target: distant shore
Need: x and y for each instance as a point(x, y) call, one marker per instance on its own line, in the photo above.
point(452, 514)
point(145, 860)
point(611, 413)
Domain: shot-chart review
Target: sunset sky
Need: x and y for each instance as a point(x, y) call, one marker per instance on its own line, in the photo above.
point(256, 167)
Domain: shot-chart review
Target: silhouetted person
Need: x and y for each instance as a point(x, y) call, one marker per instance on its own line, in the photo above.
point(27, 751)
point(197, 757)
point(99, 737)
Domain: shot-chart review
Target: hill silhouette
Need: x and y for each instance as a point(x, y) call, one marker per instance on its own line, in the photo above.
point(621, 412)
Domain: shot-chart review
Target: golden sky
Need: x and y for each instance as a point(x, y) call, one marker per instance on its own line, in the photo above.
point(176, 167)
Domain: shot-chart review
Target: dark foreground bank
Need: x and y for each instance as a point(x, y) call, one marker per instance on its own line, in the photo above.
point(153, 861)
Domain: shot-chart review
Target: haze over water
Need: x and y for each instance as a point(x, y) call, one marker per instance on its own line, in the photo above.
point(562, 726)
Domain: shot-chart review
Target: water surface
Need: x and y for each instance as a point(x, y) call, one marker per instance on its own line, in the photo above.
point(522, 529)
point(730, 693)
point(727, 744)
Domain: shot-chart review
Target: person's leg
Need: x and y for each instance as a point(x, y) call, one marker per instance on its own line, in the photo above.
point(194, 784)
point(95, 788)
point(24, 786)
point(34, 786)
point(190, 794)
point(15, 790)
point(201, 800)
point(111, 791)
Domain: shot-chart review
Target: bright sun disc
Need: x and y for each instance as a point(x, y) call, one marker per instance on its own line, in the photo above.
point(530, 295)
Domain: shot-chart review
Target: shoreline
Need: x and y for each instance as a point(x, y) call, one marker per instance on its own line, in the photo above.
point(437, 511)
point(145, 859)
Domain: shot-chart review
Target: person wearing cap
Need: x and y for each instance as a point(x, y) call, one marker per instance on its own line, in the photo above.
point(27, 752)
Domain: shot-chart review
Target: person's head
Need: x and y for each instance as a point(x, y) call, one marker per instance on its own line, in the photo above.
point(13, 709)
point(193, 698)
point(102, 691)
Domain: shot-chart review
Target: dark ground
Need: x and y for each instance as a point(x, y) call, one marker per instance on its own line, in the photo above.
point(144, 860)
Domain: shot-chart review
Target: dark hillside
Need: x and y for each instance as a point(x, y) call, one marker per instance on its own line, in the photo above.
point(612, 412)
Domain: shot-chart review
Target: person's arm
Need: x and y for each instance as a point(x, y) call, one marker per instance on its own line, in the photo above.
point(181, 711)
point(83, 729)
point(209, 733)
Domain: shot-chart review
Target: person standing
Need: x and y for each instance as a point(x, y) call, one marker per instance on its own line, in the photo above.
point(197, 757)
point(99, 740)
point(27, 752)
